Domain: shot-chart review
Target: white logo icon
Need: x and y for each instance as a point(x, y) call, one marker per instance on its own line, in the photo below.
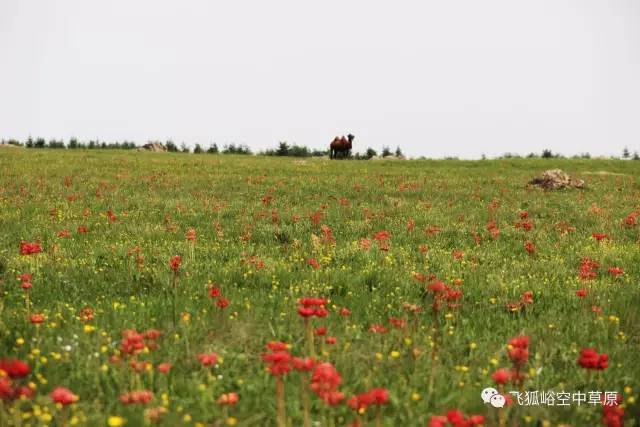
point(491, 395)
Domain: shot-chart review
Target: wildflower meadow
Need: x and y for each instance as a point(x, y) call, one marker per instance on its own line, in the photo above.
point(219, 290)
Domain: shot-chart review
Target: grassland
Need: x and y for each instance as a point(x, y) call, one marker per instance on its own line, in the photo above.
point(368, 236)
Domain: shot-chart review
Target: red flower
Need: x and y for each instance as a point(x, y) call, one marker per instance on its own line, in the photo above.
point(222, 303)
point(616, 271)
point(501, 376)
point(37, 318)
point(303, 365)
point(306, 311)
point(136, 397)
point(190, 235)
point(437, 287)
point(30, 248)
point(590, 359)
point(379, 396)
point(63, 396)
point(63, 234)
point(208, 359)
point(382, 236)
point(228, 399)
point(524, 215)
point(132, 342)
point(529, 247)
point(331, 340)
point(581, 293)
point(164, 368)
point(15, 368)
point(599, 236)
point(175, 262)
point(320, 331)
point(325, 378)
point(320, 312)
point(344, 312)
point(398, 323)
point(214, 291)
point(518, 350)
point(309, 302)
point(277, 346)
point(378, 329)
point(279, 362)
point(313, 263)
point(83, 229)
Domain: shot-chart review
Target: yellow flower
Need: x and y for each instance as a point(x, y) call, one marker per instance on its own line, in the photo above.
point(473, 346)
point(415, 397)
point(115, 421)
point(20, 341)
point(395, 354)
point(231, 421)
point(89, 328)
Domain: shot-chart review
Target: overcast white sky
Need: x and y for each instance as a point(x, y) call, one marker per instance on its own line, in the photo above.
point(435, 77)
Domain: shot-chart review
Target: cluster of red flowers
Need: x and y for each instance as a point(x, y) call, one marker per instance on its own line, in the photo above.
point(30, 248)
point(442, 292)
point(216, 293)
point(208, 359)
point(325, 381)
point(310, 307)
point(519, 350)
point(190, 235)
point(10, 370)
point(456, 418)
point(137, 397)
point(25, 281)
point(279, 359)
point(588, 269)
point(590, 359)
point(375, 396)
point(382, 237)
point(313, 263)
point(530, 247)
point(174, 263)
point(63, 396)
point(612, 414)
point(493, 229)
point(327, 234)
point(599, 236)
point(228, 399)
point(525, 300)
point(616, 271)
point(133, 342)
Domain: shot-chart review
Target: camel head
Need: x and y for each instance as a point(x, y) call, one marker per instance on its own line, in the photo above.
point(351, 137)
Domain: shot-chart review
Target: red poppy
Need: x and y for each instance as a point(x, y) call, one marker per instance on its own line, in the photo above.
point(529, 247)
point(344, 312)
point(320, 312)
point(320, 331)
point(501, 376)
point(590, 359)
point(279, 362)
point(228, 399)
point(303, 364)
point(164, 368)
point(599, 236)
point(83, 229)
point(331, 340)
point(63, 396)
point(37, 318)
point(616, 271)
point(313, 263)
point(581, 293)
point(222, 303)
point(214, 291)
point(175, 262)
point(208, 359)
point(190, 235)
point(325, 381)
point(30, 248)
point(15, 368)
point(136, 397)
point(378, 329)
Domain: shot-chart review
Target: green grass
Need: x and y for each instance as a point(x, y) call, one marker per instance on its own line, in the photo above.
point(158, 197)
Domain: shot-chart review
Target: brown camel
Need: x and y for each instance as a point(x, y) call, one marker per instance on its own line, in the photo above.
point(341, 145)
